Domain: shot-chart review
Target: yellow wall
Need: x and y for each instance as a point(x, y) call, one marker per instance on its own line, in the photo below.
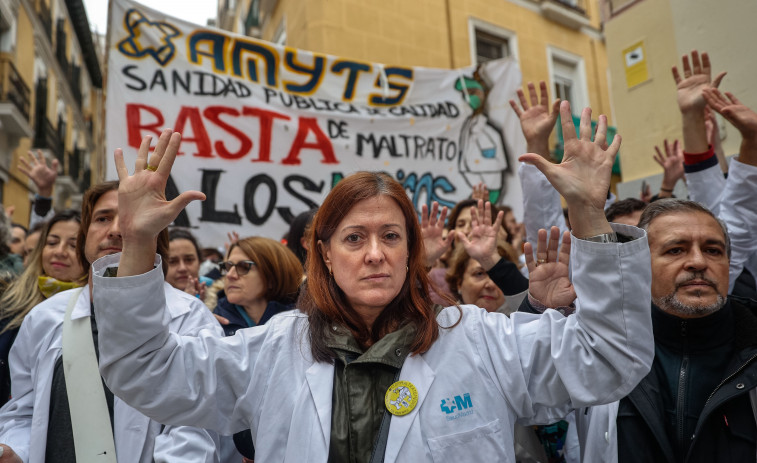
point(647, 113)
point(418, 33)
point(16, 192)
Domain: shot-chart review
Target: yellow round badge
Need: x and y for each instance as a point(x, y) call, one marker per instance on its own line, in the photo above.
point(401, 398)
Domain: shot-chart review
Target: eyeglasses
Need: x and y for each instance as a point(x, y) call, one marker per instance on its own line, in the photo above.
point(243, 267)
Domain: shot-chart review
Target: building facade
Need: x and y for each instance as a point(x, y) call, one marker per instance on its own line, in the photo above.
point(559, 41)
point(50, 99)
point(645, 38)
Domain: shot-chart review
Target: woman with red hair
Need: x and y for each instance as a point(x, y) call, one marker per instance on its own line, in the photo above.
point(368, 369)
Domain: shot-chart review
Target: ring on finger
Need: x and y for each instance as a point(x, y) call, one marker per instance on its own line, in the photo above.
point(151, 168)
point(540, 261)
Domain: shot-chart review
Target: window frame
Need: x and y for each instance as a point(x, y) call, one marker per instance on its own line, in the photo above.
point(508, 36)
point(580, 87)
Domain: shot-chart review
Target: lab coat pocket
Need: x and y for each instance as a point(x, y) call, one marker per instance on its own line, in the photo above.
point(474, 445)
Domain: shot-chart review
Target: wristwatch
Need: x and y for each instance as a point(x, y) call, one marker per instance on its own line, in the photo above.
point(603, 238)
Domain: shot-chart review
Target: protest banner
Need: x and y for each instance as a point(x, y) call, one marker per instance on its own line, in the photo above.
point(269, 129)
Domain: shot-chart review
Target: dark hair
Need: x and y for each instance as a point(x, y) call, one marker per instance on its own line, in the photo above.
point(624, 207)
point(455, 212)
point(91, 196)
point(184, 234)
point(467, 204)
point(37, 227)
point(673, 206)
point(207, 252)
point(18, 225)
point(297, 231)
point(324, 301)
point(459, 262)
point(279, 268)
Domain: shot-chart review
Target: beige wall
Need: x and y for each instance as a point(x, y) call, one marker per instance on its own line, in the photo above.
point(726, 30)
point(648, 113)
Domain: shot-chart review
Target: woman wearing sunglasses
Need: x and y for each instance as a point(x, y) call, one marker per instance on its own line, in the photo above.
point(261, 277)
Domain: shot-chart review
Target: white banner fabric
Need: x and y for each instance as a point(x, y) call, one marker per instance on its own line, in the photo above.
point(269, 129)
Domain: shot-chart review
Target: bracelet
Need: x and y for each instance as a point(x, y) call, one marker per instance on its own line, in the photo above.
point(666, 190)
point(603, 238)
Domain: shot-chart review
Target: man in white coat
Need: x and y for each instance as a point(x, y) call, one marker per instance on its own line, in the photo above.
point(44, 422)
point(699, 402)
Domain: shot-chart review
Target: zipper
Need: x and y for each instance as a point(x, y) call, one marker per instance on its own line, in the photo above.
point(681, 402)
point(728, 378)
point(680, 410)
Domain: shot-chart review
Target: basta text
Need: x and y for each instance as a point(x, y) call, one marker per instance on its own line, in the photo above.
point(142, 119)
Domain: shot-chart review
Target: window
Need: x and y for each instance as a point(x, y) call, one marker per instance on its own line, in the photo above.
point(563, 74)
point(280, 36)
point(489, 47)
point(568, 78)
point(489, 42)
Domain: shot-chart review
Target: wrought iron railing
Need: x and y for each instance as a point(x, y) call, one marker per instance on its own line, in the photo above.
point(12, 86)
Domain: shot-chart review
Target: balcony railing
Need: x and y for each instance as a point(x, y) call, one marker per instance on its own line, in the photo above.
point(12, 86)
point(43, 11)
point(75, 81)
point(576, 5)
point(46, 137)
point(569, 13)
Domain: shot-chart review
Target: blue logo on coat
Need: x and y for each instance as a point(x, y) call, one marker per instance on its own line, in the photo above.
point(449, 406)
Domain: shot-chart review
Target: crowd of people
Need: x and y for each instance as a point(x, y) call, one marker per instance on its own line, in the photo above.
point(612, 331)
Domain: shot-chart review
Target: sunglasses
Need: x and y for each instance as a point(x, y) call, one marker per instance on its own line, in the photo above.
point(243, 267)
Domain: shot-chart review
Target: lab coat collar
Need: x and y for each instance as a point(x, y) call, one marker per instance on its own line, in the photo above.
point(420, 374)
point(320, 378)
point(83, 307)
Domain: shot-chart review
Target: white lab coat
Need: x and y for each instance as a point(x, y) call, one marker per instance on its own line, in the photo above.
point(24, 420)
point(733, 200)
point(525, 369)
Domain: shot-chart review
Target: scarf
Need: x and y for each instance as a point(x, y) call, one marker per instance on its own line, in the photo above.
point(49, 286)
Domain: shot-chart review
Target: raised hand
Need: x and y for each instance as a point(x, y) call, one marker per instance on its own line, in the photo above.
point(741, 117)
point(712, 128)
point(536, 121)
point(143, 209)
point(7, 455)
point(548, 275)
point(233, 238)
point(481, 242)
point(195, 287)
point(697, 77)
point(480, 191)
point(583, 176)
point(432, 231)
point(36, 168)
point(734, 111)
point(671, 163)
point(691, 102)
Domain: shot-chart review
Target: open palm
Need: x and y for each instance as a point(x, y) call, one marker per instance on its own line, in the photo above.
point(143, 209)
point(549, 276)
point(536, 120)
point(697, 76)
